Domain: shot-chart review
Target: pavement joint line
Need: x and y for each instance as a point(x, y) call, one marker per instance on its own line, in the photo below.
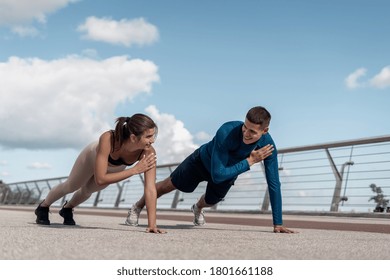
point(322, 222)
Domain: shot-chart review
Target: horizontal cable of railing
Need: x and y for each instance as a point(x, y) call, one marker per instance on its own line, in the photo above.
point(333, 177)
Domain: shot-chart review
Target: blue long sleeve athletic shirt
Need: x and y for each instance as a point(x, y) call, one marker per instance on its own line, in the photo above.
point(225, 158)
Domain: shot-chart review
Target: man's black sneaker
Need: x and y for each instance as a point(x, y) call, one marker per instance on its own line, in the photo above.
point(67, 214)
point(42, 215)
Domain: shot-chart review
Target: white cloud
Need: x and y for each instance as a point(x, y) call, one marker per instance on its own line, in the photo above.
point(25, 31)
point(66, 102)
point(39, 165)
point(381, 80)
point(92, 53)
point(203, 136)
point(25, 11)
point(174, 142)
point(352, 80)
point(3, 162)
point(124, 32)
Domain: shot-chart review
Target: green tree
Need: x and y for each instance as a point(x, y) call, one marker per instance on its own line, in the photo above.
point(379, 198)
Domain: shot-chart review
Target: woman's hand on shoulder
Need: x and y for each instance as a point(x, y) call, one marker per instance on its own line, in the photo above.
point(147, 162)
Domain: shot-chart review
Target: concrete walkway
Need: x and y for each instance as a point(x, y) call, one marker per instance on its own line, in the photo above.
point(101, 234)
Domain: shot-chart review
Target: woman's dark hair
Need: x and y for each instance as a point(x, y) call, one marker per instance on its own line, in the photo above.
point(136, 124)
point(259, 115)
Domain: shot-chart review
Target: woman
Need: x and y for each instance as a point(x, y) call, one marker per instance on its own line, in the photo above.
point(104, 162)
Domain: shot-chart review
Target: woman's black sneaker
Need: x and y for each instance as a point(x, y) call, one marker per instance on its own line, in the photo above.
point(42, 215)
point(67, 214)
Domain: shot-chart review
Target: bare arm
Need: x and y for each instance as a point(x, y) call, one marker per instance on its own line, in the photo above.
point(151, 199)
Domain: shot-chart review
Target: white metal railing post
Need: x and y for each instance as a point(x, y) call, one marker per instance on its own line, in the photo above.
point(120, 191)
point(39, 192)
point(265, 205)
point(334, 207)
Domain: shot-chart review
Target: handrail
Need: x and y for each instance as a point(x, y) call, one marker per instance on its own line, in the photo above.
point(372, 140)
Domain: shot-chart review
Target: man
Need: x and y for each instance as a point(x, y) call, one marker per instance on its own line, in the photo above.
point(234, 149)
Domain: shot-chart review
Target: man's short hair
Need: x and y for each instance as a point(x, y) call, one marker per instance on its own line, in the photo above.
point(259, 115)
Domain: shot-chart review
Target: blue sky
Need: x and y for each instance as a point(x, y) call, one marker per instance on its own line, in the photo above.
point(68, 68)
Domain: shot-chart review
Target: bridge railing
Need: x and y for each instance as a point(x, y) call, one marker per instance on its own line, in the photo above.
point(330, 177)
